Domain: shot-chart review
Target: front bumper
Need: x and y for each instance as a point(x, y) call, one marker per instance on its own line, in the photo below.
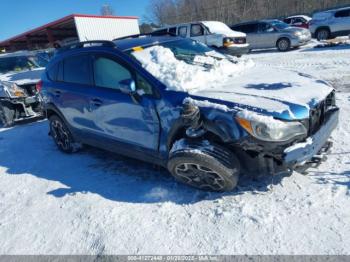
point(236, 50)
point(303, 152)
point(300, 41)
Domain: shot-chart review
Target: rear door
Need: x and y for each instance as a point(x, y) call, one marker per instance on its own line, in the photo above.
point(70, 91)
point(252, 34)
point(267, 35)
point(342, 21)
point(118, 117)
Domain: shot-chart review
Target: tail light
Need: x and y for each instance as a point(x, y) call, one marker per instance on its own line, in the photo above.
point(39, 86)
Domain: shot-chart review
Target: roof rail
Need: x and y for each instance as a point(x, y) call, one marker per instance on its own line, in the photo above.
point(130, 36)
point(83, 44)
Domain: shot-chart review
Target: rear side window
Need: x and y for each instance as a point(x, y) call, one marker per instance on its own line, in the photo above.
point(288, 20)
point(342, 13)
point(160, 32)
point(182, 31)
point(108, 73)
point(172, 30)
point(77, 70)
point(248, 28)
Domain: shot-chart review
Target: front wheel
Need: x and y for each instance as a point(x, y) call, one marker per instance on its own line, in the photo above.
point(322, 34)
point(283, 44)
point(204, 165)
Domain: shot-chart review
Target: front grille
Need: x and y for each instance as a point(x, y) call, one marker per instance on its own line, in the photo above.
point(239, 40)
point(317, 114)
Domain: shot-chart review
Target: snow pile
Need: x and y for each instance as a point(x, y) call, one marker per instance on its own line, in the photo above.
point(179, 76)
point(216, 27)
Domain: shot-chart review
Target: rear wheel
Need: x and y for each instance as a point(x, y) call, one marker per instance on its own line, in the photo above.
point(7, 114)
point(323, 34)
point(61, 135)
point(283, 44)
point(204, 166)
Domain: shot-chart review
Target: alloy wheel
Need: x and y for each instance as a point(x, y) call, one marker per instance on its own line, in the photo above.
point(60, 135)
point(199, 176)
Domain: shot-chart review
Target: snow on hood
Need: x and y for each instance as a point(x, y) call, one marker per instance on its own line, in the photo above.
point(23, 77)
point(243, 83)
point(221, 28)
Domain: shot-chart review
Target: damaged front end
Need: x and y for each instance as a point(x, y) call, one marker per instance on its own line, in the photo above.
point(264, 144)
point(19, 102)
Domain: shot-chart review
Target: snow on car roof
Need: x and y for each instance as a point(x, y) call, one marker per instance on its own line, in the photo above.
point(307, 18)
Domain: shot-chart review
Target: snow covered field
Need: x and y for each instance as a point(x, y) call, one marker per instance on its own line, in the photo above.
point(97, 203)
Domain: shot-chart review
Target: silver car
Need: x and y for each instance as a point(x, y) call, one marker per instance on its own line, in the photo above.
point(273, 33)
point(331, 23)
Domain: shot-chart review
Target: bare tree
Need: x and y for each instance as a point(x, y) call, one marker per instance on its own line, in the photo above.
point(107, 10)
point(165, 12)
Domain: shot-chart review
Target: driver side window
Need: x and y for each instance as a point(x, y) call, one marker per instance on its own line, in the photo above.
point(265, 28)
point(197, 30)
point(108, 73)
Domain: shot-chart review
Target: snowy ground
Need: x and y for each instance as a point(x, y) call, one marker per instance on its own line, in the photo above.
point(96, 203)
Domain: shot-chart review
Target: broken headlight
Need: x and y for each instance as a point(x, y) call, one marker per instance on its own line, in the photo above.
point(13, 89)
point(267, 128)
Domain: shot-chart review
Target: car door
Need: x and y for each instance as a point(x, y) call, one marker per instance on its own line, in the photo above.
point(182, 31)
point(341, 21)
point(267, 35)
point(252, 35)
point(120, 117)
point(71, 92)
point(198, 32)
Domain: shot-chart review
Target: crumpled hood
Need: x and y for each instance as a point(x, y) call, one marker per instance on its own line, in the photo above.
point(282, 93)
point(24, 77)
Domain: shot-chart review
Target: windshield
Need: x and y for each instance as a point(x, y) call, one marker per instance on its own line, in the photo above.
point(18, 63)
point(279, 24)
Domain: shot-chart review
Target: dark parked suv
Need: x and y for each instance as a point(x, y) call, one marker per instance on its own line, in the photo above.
point(179, 104)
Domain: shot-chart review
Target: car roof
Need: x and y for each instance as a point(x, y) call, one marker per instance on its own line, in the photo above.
point(128, 43)
point(255, 21)
point(334, 10)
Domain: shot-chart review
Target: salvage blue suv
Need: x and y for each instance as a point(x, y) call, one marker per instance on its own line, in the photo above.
point(205, 116)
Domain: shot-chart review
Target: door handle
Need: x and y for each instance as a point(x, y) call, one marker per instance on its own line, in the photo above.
point(57, 93)
point(96, 102)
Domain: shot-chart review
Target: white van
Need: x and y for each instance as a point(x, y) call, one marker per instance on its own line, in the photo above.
point(212, 33)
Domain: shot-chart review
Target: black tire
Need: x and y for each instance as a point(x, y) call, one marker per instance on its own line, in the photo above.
point(61, 135)
point(204, 166)
point(283, 44)
point(323, 34)
point(7, 114)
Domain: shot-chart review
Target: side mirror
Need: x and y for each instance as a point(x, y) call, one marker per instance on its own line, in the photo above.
point(270, 30)
point(127, 86)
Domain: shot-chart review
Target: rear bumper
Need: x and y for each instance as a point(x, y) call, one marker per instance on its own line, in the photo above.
point(300, 41)
point(303, 152)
